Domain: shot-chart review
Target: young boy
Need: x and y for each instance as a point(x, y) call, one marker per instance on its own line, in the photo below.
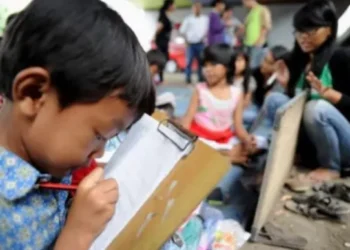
point(167, 100)
point(73, 75)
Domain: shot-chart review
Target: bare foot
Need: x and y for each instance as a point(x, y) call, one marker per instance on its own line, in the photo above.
point(324, 174)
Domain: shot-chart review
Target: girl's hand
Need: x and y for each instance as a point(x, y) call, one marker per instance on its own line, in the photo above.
point(250, 144)
point(315, 83)
point(283, 75)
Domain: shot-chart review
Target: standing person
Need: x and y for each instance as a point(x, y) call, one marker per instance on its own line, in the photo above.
point(316, 64)
point(194, 29)
point(257, 26)
point(233, 27)
point(164, 28)
point(216, 32)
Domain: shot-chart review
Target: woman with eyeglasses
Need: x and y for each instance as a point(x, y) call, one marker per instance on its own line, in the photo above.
point(318, 65)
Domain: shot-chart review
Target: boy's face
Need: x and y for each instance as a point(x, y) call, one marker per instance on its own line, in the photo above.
point(57, 140)
point(154, 69)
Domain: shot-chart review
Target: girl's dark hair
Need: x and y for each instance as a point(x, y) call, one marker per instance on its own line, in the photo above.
point(215, 2)
point(247, 72)
point(279, 52)
point(166, 5)
point(220, 54)
point(313, 15)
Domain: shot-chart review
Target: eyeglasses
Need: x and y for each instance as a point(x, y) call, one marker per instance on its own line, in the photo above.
point(307, 33)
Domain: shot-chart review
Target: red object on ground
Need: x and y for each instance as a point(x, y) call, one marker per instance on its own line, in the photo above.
point(219, 137)
point(177, 53)
point(78, 175)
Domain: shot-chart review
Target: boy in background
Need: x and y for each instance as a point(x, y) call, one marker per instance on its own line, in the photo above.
point(73, 75)
point(165, 101)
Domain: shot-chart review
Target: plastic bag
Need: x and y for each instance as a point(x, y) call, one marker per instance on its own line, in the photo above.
point(228, 235)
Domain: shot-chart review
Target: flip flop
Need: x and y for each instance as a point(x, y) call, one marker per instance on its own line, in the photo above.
point(325, 204)
point(340, 191)
point(279, 237)
point(305, 209)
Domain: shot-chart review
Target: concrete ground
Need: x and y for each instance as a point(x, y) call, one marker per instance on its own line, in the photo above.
point(321, 235)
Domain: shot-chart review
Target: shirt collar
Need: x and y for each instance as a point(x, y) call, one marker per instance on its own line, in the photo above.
point(17, 176)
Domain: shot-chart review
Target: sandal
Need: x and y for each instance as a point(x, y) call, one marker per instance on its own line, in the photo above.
point(325, 204)
point(340, 191)
point(305, 209)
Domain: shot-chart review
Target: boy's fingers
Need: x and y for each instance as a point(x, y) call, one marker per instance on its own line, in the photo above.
point(108, 185)
point(112, 197)
point(93, 178)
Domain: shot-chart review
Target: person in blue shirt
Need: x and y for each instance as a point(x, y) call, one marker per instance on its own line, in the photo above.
point(73, 75)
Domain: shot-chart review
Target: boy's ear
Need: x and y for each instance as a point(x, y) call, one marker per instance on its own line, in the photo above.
point(30, 89)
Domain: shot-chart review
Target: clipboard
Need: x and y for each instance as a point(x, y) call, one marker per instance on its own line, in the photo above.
point(188, 184)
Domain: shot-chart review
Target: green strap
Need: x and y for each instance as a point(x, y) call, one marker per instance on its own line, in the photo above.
point(326, 79)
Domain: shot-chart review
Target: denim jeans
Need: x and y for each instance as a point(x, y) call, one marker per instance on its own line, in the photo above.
point(256, 55)
point(194, 51)
point(231, 180)
point(327, 129)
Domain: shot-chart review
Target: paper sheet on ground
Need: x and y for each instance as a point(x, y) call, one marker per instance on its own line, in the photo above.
point(261, 143)
point(139, 165)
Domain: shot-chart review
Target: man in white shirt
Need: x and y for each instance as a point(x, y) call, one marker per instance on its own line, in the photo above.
point(194, 28)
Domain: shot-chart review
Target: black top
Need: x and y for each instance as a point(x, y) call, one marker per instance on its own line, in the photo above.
point(261, 89)
point(163, 37)
point(339, 65)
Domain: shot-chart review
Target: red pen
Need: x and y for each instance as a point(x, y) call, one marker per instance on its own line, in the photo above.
point(57, 186)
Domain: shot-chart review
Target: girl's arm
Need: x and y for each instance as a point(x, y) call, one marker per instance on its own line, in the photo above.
point(191, 111)
point(247, 99)
point(241, 132)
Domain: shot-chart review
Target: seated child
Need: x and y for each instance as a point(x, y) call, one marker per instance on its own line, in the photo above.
point(73, 75)
point(216, 110)
point(242, 76)
point(244, 80)
point(216, 106)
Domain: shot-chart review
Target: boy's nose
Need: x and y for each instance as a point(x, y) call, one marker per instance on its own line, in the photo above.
point(99, 152)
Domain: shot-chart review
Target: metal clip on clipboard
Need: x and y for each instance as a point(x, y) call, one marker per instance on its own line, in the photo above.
point(179, 130)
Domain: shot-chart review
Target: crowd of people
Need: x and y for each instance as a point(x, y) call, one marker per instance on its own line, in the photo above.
point(219, 27)
point(68, 88)
point(240, 75)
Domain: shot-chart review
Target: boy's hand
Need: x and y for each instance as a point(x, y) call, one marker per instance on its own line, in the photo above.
point(93, 206)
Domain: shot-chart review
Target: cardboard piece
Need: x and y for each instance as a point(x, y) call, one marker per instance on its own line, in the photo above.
point(191, 180)
point(280, 158)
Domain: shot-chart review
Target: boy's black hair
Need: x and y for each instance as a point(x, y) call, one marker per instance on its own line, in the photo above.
point(87, 48)
point(314, 14)
point(11, 18)
point(220, 54)
point(156, 57)
point(247, 74)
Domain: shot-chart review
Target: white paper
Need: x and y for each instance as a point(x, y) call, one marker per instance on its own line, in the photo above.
point(139, 165)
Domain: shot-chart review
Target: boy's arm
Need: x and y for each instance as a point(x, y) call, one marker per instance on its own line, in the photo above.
point(241, 132)
point(191, 111)
point(73, 239)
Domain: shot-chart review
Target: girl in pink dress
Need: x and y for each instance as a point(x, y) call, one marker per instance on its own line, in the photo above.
point(216, 108)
